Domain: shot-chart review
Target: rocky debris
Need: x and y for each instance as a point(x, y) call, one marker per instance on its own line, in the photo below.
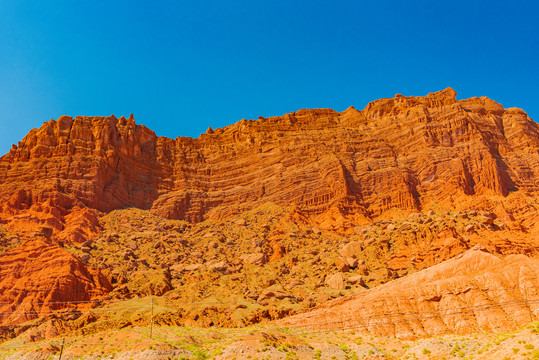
point(148, 282)
point(126, 255)
point(142, 262)
point(356, 280)
point(240, 222)
point(474, 280)
point(278, 252)
point(406, 226)
point(213, 245)
point(341, 264)
point(133, 245)
point(257, 242)
point(362, 269)
point(176, 271)
point(352, 262)
point(294, 283)
point(250, 294)
point(87, 243)
point(480, 247)
point(194, 267)
point(44, 231)
point(197, 254)
point(85, 258)
point(306, 261)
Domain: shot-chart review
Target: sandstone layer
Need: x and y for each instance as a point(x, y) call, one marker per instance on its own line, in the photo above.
point(399, 153)
point(38, 278)
point(475, 291)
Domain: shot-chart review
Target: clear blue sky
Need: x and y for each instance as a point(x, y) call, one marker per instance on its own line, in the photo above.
point(181, 66)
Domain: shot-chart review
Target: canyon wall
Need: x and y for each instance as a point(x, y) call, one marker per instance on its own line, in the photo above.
point(403, 152)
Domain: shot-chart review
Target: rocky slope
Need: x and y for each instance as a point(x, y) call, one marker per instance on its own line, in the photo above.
point(471, 292)
point(323, 215)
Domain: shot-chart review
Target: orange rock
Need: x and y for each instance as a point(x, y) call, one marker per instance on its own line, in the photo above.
point(401, 153)
point(278, 252)
point(37, 278)
point(473, 291)
point(351, 249)
point(336, 281)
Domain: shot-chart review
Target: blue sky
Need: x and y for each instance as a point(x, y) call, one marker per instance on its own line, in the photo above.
point(181, 66)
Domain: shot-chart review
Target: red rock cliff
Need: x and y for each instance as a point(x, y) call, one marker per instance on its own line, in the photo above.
point(37, 278)
point(402, 152)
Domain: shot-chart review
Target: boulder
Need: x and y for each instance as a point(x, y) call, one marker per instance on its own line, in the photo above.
point(220, 266)
point(254, 259)
point(352, 249)
point(341, 264)
point(194, 267)
point(336, 281)
point(352, 262)
point(44, 231)
point(268, 294)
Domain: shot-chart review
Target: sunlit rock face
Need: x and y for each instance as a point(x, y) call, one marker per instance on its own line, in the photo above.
point(399, 153)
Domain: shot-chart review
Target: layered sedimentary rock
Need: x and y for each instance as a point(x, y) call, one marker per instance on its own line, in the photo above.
point(403, 152)
point(37, 278)
point(358, 187)
point(475, 291)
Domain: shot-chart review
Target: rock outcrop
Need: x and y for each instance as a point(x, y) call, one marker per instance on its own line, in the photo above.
point(37, 278)
point(403, 153)
point(327, 204)
point(475, 291)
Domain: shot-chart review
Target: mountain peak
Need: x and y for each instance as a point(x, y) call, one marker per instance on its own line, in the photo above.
point(448, 93)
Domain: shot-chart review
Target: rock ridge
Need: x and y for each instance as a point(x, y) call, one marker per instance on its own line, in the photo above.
point(402, 152)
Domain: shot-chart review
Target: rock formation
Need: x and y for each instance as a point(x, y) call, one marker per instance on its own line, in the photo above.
point(37, 278)
point(399, 153)
point(417, 213)
point(475, 291)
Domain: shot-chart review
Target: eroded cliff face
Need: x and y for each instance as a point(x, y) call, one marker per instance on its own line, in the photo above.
point(404, 152)
point(303, 208)
point(38, 278)
point(102, 163)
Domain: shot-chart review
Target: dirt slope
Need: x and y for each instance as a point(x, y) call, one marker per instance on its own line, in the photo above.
point(472, 292)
